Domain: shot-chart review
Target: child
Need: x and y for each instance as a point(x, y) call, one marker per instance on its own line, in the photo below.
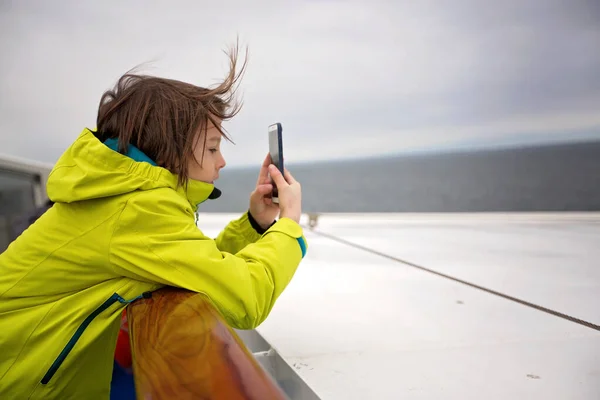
point(123, 225)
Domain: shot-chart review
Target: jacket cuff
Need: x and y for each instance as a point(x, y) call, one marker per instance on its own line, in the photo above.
point(292, 229)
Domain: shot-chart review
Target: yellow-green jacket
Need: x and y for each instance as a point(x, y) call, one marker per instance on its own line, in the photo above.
point(121, 228)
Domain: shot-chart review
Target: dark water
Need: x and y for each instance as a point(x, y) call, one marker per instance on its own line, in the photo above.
point(549, 178)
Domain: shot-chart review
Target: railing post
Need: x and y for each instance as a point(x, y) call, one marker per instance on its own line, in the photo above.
point(313, 220)
point(183, 349)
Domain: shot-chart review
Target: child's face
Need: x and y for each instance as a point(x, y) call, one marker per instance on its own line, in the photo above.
point(210, 155)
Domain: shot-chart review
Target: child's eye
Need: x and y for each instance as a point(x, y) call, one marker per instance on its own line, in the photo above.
point(212, 150)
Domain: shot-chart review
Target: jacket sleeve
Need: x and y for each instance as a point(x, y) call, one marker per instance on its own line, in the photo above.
point(237, 234)
point(156, 240)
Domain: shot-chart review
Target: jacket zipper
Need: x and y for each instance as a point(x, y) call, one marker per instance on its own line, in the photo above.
point(77, 335)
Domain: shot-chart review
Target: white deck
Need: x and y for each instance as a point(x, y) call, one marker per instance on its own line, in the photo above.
point(359, 326)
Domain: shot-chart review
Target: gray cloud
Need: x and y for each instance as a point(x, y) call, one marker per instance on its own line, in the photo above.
point(345, 78)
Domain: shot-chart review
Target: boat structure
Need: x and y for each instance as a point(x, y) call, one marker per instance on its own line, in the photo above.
point(383, 306)
point(22, 190)
point(432, 306)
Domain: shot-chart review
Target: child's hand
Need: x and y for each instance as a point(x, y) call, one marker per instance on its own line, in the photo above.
point(262, 208)
point(289, 193)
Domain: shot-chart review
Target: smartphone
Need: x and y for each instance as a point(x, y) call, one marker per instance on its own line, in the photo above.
point(276, 152)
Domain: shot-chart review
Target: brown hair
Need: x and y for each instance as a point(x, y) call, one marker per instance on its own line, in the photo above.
point(163, 117)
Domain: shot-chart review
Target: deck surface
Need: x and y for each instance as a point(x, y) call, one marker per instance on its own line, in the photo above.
point(356, 325)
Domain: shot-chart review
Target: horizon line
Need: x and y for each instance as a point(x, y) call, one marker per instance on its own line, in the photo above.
point(438, 151)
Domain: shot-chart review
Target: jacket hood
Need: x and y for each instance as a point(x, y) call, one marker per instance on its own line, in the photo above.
point(90, 169)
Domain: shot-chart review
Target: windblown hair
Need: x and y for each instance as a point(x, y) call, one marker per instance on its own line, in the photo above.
point(164, 118)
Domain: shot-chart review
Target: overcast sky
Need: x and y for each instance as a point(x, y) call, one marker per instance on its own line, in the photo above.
point(345, 78)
